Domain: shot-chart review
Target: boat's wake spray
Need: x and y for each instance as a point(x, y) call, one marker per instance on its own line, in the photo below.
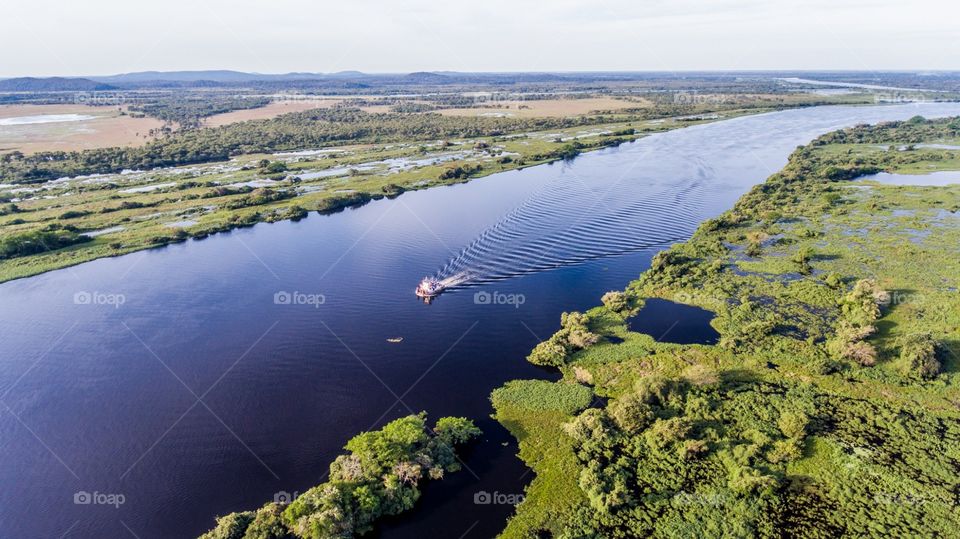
point(431, 287)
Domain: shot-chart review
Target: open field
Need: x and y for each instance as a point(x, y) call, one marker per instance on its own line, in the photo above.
point(105, 127)
point(272, 110)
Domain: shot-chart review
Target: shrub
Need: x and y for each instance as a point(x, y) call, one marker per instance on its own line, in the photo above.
point(793, 424)
point(615, 301)
point(918, 356)
point(802, 260)
point(37, 242)
point(630, 413)
point(861, 306)
point(861, 352)
point(549, 353)
point(232, 526)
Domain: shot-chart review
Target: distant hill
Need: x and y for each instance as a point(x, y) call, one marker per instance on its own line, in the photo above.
point(52, 84)
point(219, 76)
point(425, 77)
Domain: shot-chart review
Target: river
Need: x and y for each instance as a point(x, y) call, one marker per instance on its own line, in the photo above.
point(185, 382)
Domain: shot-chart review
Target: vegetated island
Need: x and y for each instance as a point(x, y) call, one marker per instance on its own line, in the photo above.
point(378, 477)
point(829, 405)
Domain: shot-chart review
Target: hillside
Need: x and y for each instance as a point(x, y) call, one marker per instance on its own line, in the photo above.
point(52, 84)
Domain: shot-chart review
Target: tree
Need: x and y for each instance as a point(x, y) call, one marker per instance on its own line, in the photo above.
point(630, 413)
point(549, 353)
point(615, 301)
point(802, 259)
point(232, 526)
point(793, 424)
point(918, 356)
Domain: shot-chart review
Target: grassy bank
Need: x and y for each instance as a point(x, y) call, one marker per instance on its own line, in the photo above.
point(829, 406)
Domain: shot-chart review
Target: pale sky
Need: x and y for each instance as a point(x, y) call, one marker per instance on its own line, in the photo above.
point(101, 37)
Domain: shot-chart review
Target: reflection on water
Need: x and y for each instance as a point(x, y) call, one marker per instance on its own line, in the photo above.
point(940, 178)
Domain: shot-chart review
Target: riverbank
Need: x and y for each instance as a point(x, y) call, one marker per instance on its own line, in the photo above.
point(830, 400)
point(110, 215)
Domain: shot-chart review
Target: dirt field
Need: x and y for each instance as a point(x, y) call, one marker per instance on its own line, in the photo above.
point(546, 107)
point(37, 128)
point(272, 110)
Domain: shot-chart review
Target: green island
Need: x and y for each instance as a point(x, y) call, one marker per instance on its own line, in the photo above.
point(59, 209)
point(829, 405)
point(378, 477)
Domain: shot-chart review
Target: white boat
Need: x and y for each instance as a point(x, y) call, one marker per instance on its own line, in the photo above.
point(429, 287)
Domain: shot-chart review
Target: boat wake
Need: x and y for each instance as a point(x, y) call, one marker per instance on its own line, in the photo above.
point(573, 219)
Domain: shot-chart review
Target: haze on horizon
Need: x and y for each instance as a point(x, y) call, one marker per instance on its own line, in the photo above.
point(102, 37)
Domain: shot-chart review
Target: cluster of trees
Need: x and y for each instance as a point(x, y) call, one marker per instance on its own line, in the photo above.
point(38, 241)
point(912, 131)
point(674, 458)
point(188, 111)
point(670, 456)
point(258, 197)
point(574, 334)
point(309, 129)
point(460, 171)
point(859, 309)
point(379, 476)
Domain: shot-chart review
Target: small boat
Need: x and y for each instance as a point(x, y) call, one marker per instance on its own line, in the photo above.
point(429, 287)
point(395, 339)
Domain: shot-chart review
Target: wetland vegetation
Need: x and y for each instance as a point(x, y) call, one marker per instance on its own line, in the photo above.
point(828, 407)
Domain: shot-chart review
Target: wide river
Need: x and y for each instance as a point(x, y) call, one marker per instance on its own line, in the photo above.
point(169, 386)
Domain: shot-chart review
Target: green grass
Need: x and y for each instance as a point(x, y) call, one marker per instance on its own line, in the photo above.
point(553, 495)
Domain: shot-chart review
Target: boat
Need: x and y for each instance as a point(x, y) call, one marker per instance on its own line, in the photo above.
point(395, 339)
point(429, 287)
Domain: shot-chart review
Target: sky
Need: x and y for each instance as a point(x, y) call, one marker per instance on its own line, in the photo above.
point(102, 37)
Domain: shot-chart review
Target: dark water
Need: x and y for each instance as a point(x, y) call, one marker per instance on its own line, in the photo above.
point(174, 378)
point(675, 323)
